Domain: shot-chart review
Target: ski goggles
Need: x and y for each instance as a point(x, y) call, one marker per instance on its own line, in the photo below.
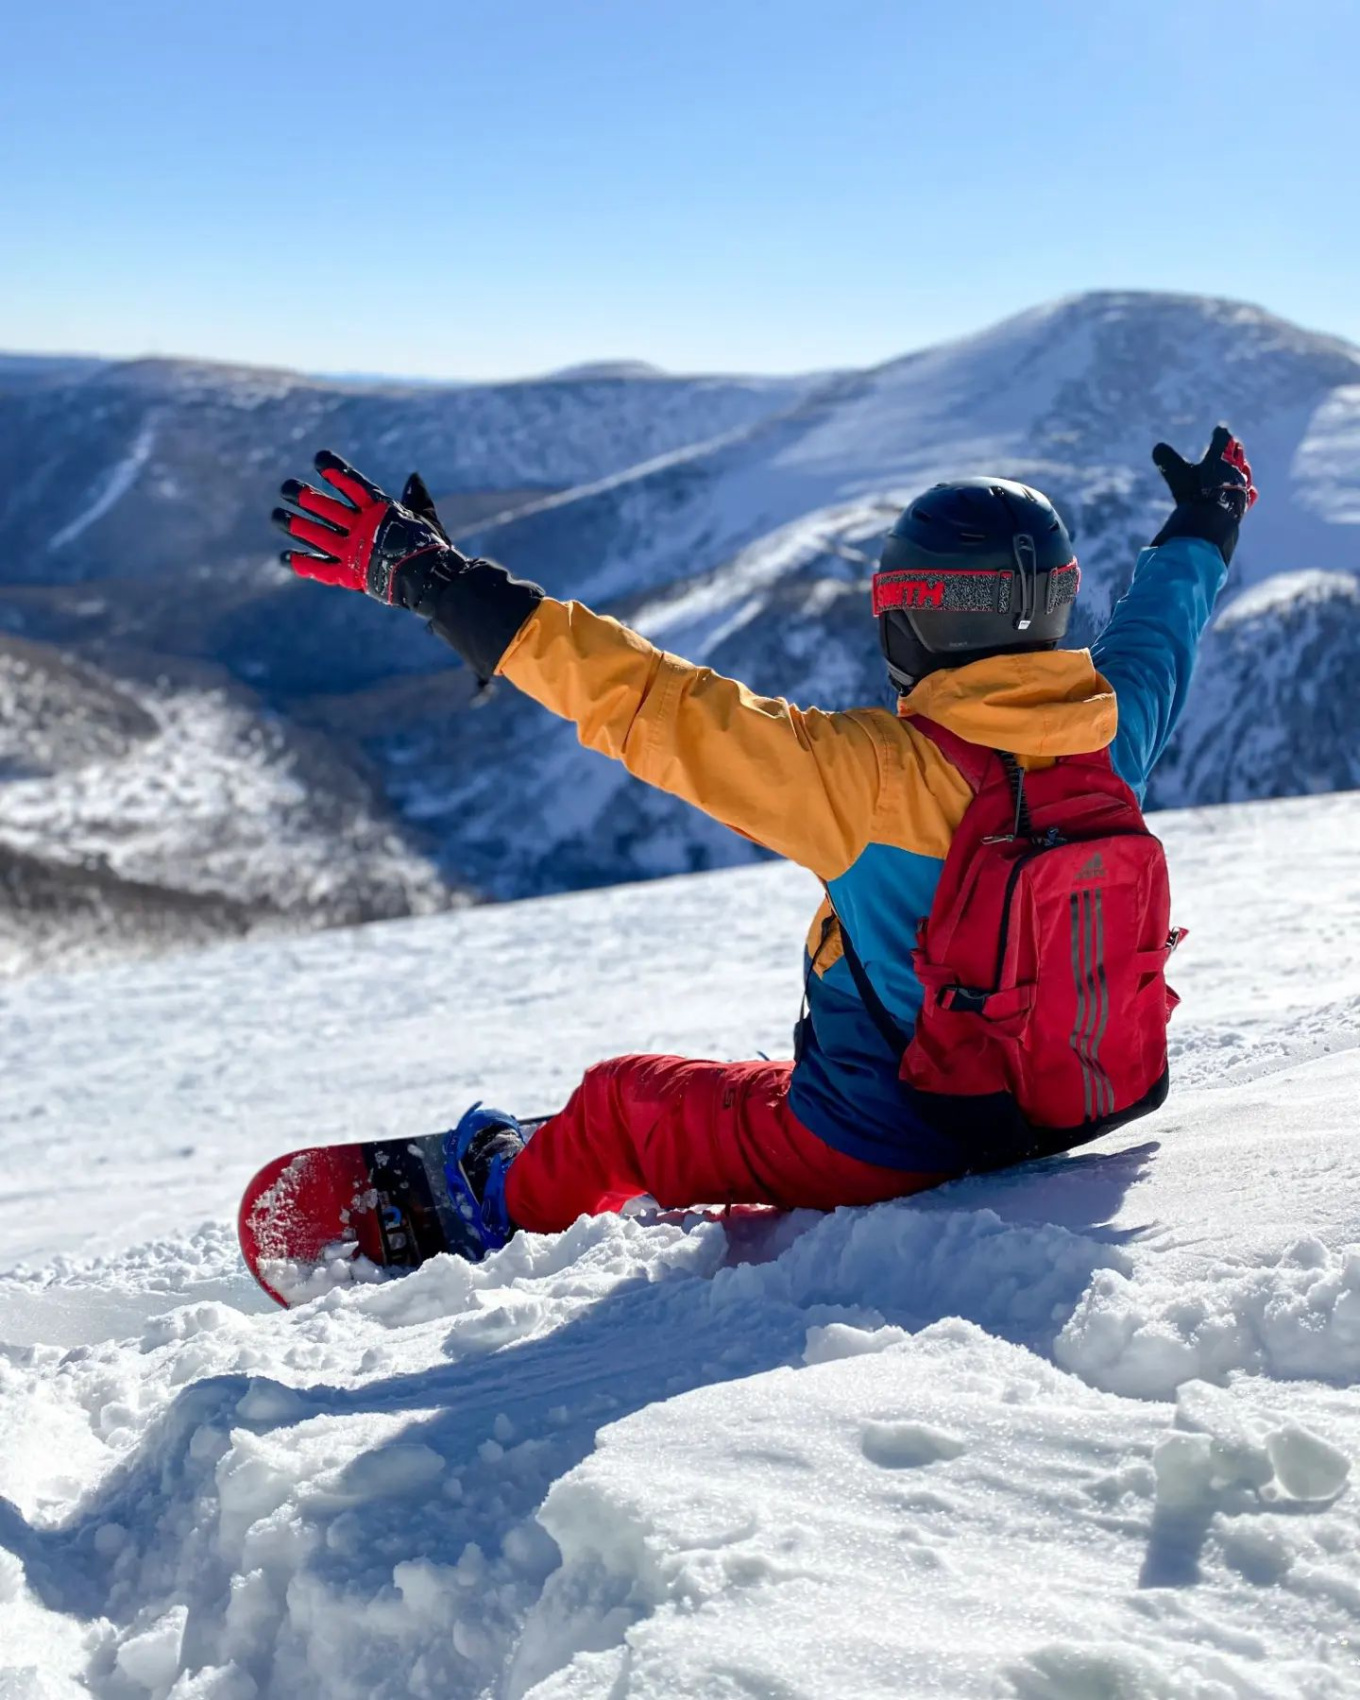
point(967, 590)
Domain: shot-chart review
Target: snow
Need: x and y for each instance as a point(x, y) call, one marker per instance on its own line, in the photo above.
point(113, 486)
point(1327, 458)
point(190, 792)
point(727, 517)
point(1085, 1429)
point(1284, 591)
point(741, 555)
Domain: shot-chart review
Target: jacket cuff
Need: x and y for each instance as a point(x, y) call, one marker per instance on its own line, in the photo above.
point(476, 607)
point(1203, 519)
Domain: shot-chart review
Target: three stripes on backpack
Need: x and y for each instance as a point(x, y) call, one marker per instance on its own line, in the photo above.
point(1093, 999)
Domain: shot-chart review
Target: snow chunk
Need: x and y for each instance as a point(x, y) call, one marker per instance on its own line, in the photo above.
point(1293, 1315)
point(152, 1657)
point(833, 1340)
point(901, 1446)
point(268, 1402)
point(1220, 1444)
point(1306, 1466)
point(392, 1472)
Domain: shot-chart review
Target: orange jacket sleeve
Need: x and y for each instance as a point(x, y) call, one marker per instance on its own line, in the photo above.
point(803, 783)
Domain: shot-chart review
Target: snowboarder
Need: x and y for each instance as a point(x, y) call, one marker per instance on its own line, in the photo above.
point(972, 598)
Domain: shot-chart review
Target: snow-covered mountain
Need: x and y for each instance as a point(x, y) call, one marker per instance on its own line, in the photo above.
point(142, 469)
point(150, 790)
point(159, 807)
point(40, 371)
point(722, 516)
point(728, 554)
point(1084, 1430)
point(1278, 699)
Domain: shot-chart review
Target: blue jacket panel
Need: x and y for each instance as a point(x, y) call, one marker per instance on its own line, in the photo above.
point(1147, 650)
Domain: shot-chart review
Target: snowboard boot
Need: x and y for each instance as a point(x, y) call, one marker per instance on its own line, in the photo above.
point(477, 1156)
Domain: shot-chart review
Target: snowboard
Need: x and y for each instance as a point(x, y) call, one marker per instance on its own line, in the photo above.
point(352, 1210)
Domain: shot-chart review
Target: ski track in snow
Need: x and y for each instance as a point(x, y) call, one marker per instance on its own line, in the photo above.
point(1081, 1430)
point(113, 487)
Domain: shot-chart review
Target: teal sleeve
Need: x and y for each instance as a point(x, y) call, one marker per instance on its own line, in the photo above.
point(1147, 650)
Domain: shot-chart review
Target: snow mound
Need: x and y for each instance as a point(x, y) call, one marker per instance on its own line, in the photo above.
point(1086, 1428)
point(663, 1450)
point(1297, 1315)
point(868, 1527)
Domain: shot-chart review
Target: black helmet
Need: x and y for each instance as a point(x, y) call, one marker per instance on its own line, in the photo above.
point(971, 568)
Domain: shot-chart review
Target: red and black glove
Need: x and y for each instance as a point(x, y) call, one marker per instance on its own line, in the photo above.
point(358, 537)
point(1211, 495)
point(355, 534)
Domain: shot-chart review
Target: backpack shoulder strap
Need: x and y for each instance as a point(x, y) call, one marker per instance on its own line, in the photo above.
point(972, 760)
point(894, 1036)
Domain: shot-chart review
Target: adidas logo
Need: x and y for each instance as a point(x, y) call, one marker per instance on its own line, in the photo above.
point(1094, 869)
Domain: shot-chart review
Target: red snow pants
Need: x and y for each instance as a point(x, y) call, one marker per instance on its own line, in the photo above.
point(686, 1132)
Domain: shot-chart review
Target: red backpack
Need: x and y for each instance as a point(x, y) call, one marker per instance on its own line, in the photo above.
point(1043, 961)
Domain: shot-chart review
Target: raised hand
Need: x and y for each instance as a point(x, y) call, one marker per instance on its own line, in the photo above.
point(1212, 495)
point(1223, 475)
point(356, 535)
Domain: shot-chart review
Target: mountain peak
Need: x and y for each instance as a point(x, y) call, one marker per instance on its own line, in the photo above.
point(606, 369)
point(1172, 309)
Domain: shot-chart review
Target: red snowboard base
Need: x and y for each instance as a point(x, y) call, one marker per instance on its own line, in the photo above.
point(385, 1203)
point(336, 1213)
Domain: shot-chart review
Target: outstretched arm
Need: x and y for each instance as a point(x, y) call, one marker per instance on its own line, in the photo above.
point(804, 784)
point(801, 782)
point(1148, 649)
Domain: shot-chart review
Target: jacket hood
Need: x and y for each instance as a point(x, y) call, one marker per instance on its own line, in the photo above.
point(1049, 703)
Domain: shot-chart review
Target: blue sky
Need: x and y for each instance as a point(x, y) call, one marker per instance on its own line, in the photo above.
point(499, 189)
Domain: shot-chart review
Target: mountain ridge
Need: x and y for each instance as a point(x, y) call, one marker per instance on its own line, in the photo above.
point(728, 519)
